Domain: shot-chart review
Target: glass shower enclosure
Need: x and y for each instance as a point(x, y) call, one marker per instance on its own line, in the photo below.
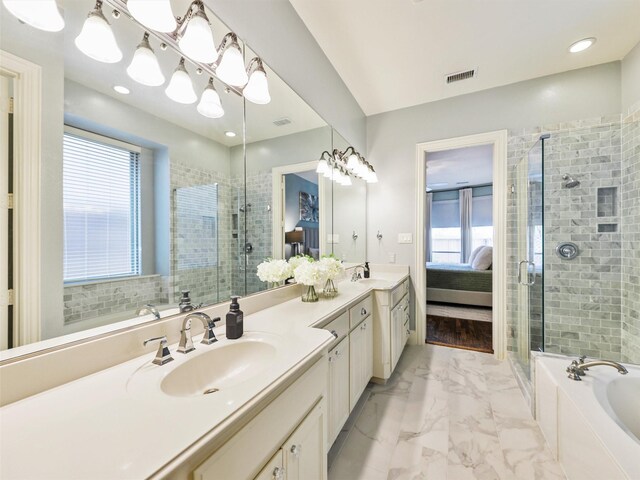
point(529, 201)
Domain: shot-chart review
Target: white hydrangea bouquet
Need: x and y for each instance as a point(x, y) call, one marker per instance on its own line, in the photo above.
point(274, 271)
point(309, 273)
point(334, 270)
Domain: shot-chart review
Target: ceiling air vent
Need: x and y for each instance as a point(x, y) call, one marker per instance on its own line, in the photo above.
point(459, 76)
point(282, 122)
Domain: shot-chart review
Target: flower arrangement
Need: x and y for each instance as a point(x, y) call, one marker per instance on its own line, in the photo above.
point(309, 273)
point(274, 271)
point(333, 269)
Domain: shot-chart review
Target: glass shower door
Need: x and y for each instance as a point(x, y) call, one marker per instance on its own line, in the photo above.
point(530, 246)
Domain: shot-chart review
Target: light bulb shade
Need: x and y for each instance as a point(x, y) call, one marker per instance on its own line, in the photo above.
point(154, 14)
point(197, 40)
point(96, 40)
point(328, 173)
point(180, 88)
point(231, 69)
point(40, 14)
point(353, 162)
point(371, 176)
point(144, 67)
point(210, 105)
point(346, 181)
point(362, 170)
point(323, 166)
point(257, 89)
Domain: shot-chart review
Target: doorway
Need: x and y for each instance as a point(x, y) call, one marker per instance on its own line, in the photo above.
point(454, 308)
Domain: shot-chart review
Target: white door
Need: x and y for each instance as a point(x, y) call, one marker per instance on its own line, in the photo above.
point(305, 451)
point(5, 85)
point(338, 404)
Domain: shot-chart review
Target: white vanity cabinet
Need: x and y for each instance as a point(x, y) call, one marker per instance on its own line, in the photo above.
point(360, 360)
point(304, 451)
point(391, 316)
point(339, 407)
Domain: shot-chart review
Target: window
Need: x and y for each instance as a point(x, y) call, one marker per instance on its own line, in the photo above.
point(445, 229)
point(101, 201)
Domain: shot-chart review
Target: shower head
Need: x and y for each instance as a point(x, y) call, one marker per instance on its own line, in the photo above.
point(569, 181)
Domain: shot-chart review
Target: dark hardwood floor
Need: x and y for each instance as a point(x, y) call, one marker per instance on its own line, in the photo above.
point(459, 333)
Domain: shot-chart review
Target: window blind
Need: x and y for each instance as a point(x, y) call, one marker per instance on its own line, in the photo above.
point(101, 201)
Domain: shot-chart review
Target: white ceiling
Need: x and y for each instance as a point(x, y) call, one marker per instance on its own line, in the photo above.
point(102, 77)
point(460, 167)
point(395, 53)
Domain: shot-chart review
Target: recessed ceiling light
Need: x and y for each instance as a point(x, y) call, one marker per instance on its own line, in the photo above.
point(436, 185)
point(230, 134)
point(581, 45)
point(121, 89)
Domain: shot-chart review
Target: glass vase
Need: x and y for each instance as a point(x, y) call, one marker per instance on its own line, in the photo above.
point(330, 290)
point(309, 293)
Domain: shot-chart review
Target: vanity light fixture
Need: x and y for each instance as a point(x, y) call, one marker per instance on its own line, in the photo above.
point(154, 14)
point(323, 164)
point(231, 67)
point(121, 89)
point(257, 88)
point(180, 88)
point(195, 38)
point(144, 67)
point(40, 14)
point(582, 45)
point(210, 105)
point(96, 40)
point(339, 166)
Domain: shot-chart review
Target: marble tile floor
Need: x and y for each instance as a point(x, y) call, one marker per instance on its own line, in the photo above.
point(445, 414)
point(483, 314)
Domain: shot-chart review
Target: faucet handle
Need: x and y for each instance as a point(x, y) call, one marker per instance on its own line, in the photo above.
point(209, 336)
point(581, 360)
point(163, 355)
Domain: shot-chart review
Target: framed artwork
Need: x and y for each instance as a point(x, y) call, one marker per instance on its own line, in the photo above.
point(308, 207)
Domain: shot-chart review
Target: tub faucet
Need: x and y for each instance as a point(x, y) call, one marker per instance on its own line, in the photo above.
point(186, 343)
point(578, 368)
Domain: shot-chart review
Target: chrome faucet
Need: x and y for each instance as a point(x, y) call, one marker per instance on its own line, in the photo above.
point(163, 355)
point(186, 343)
point(579, 367)
point(356, 276)
point(148, 308)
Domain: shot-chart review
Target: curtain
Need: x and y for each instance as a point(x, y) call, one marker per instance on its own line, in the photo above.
point(466, 195)
point(427, 225)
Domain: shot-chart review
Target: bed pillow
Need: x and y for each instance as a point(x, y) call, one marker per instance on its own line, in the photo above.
point(483, 259)
point(474, 254)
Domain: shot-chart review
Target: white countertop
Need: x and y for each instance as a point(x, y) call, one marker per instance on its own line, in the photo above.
point(106, 426)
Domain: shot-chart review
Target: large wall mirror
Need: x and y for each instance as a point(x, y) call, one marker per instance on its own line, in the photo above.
point(144, 197)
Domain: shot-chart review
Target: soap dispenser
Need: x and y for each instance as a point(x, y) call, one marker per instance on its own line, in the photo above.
point(234, 320)
point(367, 270)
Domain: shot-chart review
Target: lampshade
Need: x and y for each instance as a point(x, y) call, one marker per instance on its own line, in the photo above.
point(210, 105)
point(353, 162)
point(197, 40)
point(180, 88)
point(144, 67)
point(257, 89)
point(295, 236)
point(96, 40)
point(371, 176)
point(323, 166)
point(346, 180)
point(231, 69)
point(154, 14)
point(40, 14)
point(362, 170)
point(328, 173)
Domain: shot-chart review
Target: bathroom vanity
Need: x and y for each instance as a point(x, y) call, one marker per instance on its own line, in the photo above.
point(268, 405)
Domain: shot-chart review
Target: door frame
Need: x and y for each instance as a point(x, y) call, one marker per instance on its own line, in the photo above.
point(27, 95)
point(277, 203)
point(499, 141)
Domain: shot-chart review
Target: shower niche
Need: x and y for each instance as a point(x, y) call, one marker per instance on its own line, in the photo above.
point(607, 202)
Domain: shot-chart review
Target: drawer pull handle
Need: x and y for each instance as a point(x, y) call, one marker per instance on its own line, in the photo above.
point(408, 332)
point(330, 359)
point(363, 327)
point(295, 450)
point(278, 473)
point(363, 311)
point(337, 353)
point(334, 333)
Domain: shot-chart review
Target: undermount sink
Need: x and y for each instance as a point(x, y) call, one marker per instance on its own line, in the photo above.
point(220, 368)
point(365, 281)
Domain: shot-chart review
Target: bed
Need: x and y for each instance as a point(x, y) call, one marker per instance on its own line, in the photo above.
point(459, 283)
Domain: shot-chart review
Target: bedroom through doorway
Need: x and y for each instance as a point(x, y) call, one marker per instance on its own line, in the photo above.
point(459, 239)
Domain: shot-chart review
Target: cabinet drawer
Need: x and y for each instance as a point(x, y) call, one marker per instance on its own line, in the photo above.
point(274, 470)
point(399, 292)
point(360, 311)
point(340, 326)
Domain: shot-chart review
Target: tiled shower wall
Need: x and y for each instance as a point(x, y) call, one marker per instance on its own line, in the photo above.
point(630, 212)
point(582, 297)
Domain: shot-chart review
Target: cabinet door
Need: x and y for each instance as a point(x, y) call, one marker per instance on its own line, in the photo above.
point(305, 451)
point(397, 334)
point(361, 360)
point(274, 470)
point(338, 404)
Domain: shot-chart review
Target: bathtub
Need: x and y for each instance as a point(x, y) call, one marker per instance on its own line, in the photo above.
point(592, 426)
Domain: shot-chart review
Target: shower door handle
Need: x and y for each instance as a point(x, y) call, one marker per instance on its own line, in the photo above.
point(520, 271)
point(530, 283)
